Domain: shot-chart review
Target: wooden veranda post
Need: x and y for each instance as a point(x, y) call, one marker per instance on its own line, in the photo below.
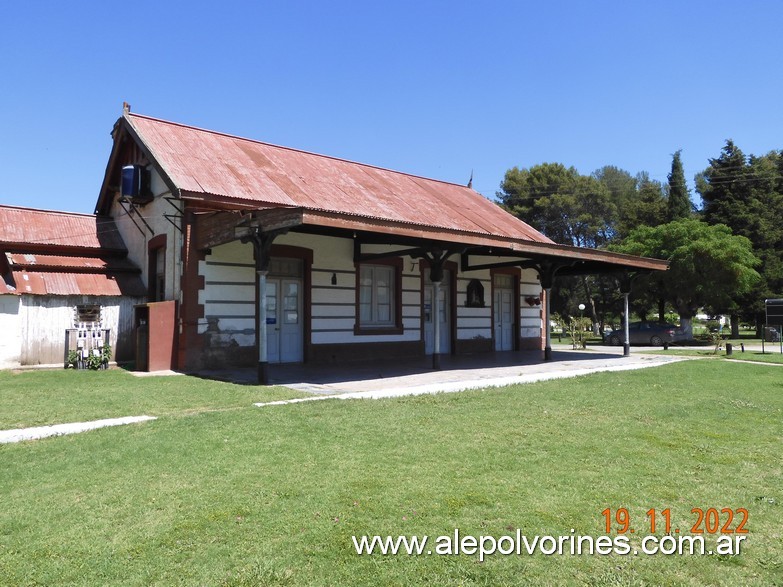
point(625, 289)
point(436, 259)
point(546, 273)
point(262, 246)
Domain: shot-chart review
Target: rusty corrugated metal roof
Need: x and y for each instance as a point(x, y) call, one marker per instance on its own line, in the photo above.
point(40, 262)
point(6, 287)
point(215, 166)
point(95, 284)
point(63, 253)
point(42, 228)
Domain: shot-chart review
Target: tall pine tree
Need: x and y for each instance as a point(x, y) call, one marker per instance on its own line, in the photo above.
point(725, 190)
point(679, 204)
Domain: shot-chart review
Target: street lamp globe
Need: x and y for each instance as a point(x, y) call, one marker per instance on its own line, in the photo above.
point(581, 307)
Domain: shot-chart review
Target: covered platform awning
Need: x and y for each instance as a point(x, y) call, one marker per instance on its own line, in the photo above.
point(220, 226)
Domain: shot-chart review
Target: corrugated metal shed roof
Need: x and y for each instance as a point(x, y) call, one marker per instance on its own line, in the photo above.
point(218, 166)
point(60, 229)
point(41, 262)
point(6, 287)
point(96, 284)
point(63, 253)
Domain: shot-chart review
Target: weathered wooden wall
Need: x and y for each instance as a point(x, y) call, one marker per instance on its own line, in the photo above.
point(44, 319)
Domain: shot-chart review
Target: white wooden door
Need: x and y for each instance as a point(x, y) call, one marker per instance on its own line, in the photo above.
point(444, 317)
point(284, 320)
point(503, 312)
point(291, 350)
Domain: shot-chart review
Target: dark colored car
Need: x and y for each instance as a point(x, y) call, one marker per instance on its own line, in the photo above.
point(653, 333)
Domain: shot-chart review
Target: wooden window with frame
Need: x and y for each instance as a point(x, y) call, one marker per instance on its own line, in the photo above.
point(379, 297)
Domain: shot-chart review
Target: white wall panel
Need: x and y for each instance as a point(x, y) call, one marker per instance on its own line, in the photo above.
point(11, 329)
point(467, 334)
point(326, 296)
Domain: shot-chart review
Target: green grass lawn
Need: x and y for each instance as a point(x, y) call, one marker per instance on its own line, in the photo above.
point(36, 398)
point(272, 496)
point(772, 356)
point(709, 353)
point(705, 353)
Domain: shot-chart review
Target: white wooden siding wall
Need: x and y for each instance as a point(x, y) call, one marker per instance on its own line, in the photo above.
point(411, 299)
point(118, 315)
point(44, 320)
point(474, 322)
point(10, 327)
point(530, 324)
point(229, 295)
point(334, 306)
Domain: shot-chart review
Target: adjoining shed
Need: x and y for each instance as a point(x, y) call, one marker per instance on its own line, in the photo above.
point(275, 255)
point(63, 271)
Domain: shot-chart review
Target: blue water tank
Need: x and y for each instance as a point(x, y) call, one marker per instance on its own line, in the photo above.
point(131, 181)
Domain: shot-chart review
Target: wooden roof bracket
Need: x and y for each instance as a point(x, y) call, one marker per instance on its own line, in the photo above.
point(547, 271)
point(437, 257)
point(524, 263)
point(171, 217)
point(262, 245)
point(627, 279)
point(359, 257)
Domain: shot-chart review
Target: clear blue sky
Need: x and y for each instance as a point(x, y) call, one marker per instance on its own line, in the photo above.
point(430, 88)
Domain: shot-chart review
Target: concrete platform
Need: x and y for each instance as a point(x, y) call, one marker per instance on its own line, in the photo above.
point(456, 373)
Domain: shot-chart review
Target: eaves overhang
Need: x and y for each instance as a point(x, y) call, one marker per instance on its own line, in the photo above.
point(220, 226)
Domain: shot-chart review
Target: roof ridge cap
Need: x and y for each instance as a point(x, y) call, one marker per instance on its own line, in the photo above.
point(48, 211)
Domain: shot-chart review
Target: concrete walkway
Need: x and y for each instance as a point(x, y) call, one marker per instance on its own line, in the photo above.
point(452, 379)
point(20, 434)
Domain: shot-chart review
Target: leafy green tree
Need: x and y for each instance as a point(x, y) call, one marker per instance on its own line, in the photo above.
point(584, 211)
point(635, 199)
point(708, 264)
point(746, 193)
point(569, 208)
point(679, 204)
point(650, 206)
point(650, 210)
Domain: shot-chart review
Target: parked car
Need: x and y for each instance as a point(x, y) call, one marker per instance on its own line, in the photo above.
point(654, 333)
point(771, 334)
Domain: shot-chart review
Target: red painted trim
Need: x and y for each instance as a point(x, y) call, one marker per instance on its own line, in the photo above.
point(157, 242)
point(154, 245)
